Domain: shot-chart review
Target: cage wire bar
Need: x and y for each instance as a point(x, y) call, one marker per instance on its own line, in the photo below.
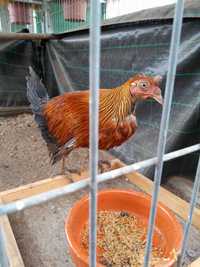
point(173, 57)
point(94, 73)
point(193, 201)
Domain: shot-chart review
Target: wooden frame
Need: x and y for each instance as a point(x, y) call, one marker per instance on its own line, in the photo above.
point(195, 263)
point(176, 204)
point(9, 252)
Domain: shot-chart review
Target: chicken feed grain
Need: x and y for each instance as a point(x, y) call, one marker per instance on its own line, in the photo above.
point(121, 240)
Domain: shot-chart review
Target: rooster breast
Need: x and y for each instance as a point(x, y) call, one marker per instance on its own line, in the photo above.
point(67, 117)
point(116, 133)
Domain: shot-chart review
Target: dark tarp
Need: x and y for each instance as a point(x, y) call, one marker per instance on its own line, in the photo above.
point(128, 47)
point(15, 57)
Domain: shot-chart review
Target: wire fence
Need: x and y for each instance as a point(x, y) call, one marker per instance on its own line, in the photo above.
point(54, 16)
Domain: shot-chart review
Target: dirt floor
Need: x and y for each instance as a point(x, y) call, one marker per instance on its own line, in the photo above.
point(39, 231)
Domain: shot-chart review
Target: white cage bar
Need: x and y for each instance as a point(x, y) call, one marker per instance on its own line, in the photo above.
point(193, 201)
point(94, 179)
point(173, 58)
point(94, 122)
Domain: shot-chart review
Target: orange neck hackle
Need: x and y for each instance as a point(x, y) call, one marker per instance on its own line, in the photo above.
point(117, 104)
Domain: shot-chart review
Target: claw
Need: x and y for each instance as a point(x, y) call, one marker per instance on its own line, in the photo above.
point(102, 164)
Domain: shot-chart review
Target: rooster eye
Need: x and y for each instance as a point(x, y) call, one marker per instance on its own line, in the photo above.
point(143, 84)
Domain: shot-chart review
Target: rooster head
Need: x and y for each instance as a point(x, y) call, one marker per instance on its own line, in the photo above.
point(144, 87)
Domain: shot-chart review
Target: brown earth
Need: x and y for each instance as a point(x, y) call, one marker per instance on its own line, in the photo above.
point(39, 231)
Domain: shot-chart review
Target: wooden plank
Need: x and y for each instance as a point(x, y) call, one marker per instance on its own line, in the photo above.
point(39, 187)
point(182, 186)
point(33, 189)
point(10, 36)
point(176, 204)
point(11, 253)
point(195, 263)
point(173, 202)
point(10, 111)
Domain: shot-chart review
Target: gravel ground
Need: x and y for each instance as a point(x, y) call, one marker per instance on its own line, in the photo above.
point(39, 231)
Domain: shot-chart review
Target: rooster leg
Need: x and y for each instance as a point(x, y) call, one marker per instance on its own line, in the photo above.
point(63, 166)
point(104, 165)
point(64, 169)
point(70, 170)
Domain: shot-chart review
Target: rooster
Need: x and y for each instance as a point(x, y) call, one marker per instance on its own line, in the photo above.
point(64, 120)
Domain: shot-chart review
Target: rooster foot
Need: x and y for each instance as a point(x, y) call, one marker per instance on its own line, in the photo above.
point(74, 171)
point(104, 165)
point(70, 176)
point(70, 170)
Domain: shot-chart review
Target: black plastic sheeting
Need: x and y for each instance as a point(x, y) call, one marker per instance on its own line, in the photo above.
point(126, 49)
point(15, 57)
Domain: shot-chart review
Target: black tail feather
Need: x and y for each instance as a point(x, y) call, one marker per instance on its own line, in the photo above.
point(37, 96)
point(36, 92)
point(59, 153)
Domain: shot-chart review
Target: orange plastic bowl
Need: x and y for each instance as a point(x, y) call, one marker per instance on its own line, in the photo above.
point(168, 232)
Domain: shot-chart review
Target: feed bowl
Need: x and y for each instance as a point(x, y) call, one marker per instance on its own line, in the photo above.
point(168, 232)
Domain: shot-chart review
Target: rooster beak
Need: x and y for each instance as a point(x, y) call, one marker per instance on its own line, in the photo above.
point(156, 95)
point(158, 98)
